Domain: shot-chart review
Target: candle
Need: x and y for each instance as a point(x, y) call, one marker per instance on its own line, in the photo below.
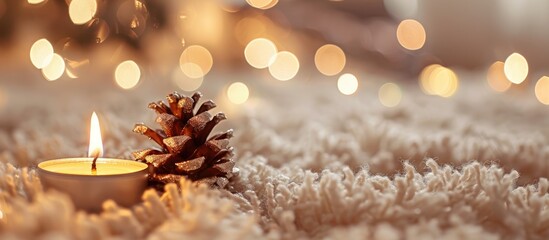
point(90, 181)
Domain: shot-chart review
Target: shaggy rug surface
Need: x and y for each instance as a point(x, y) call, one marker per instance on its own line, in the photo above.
point(314, 164)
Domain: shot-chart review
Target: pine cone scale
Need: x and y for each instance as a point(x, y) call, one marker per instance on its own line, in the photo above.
point(210, 149)
point(186, 105)
point(180, 145)
point(169, 124)
point(206, 106)
point(190, 165)
point(186, 149)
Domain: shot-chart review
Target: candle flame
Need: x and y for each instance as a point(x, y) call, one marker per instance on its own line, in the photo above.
point(96, 144)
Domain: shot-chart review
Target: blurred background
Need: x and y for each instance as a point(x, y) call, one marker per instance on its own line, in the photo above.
point(432, 45)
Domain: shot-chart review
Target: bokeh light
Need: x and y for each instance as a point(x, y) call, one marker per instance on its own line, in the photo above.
point(238, 93)
point(496, 77)
point(184, 82)
point(82, 11)
point(192, 70)
point(35, 1)
point(127, 74)
point(516, 68)
point(259, 52)
point(438, 80)
point(262, 4)
point(542, 90)
point(330, 60)
point(425, 77)
point(390, 94)
point(195, 56)
point(55, 69)
point(411, 34)
point(270, 5)
point(41, 53)
point(347, 84)
point(444, 82)
point(284, 66)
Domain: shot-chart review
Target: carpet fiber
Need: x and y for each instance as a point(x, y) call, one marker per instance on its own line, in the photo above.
point(313, 164)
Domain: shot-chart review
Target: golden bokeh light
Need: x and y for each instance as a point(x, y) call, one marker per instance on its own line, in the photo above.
point(184, 82)
point(82, 11)
point(70, 74)
point(438, 80)
point(496, 77)
point(41, 53)
point(259, 52)
point(390, 95)
point(262, 4)
point(411, 34)
point(330, 60)
point(195, 56)
point(444, 82)
point(516, 68)
point(270, 5)
point(192, 70)
point(55, 69)
point(542, 90)
point(238, 93)
point(284, 66)
point(425, 76)
point(35, 1)
point(127, 74)
point(347, 84)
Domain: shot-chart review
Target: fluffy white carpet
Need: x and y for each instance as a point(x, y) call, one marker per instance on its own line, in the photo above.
point(314, 164)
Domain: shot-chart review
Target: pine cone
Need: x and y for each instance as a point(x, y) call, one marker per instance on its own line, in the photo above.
point(185, 149)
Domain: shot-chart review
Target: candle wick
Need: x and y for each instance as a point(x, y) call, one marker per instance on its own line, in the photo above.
point(94, 165)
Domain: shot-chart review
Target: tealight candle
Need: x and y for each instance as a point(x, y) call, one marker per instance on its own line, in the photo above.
point(90, 181)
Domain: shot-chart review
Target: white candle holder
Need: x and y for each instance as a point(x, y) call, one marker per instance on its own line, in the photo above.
point(123, 181)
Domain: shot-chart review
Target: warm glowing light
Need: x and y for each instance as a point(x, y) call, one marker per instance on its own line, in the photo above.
point(82, 11)
point(496, 77)
point(542, 90)
point(443, 82)
point(184, 82)
point(411, 34)
point(425, 77)
point(238, 93)
point(55, 69)
point(330, 59)
point(95, 148)
point(516, 68)
point(270, 5)
point(127, 74)
point(438, 80)
point(347, 84)
point(262, 4)
point(390, 94)
point(41, 53)
point(195, 56)
point(284, 66)
point(259, 52)
point(35, 1)
point(191, 70)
